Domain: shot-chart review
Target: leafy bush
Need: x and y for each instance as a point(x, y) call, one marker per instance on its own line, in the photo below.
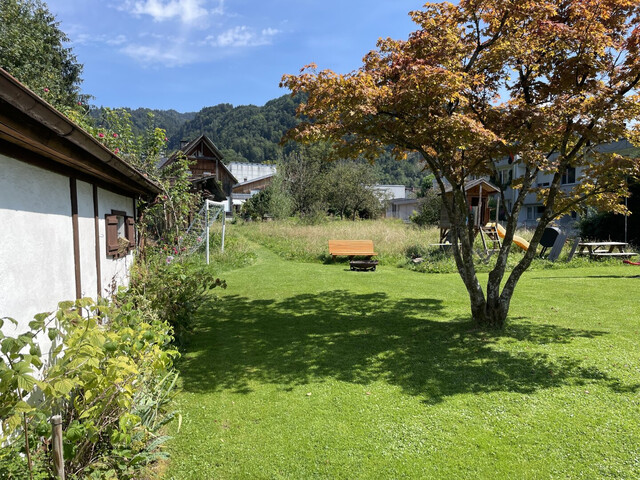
point(109, 375)
point(258, 206)
point(429, 209)
point(173, 289)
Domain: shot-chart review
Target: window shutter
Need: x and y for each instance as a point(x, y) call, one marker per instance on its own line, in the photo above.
point(111, 226)
point(130, 231)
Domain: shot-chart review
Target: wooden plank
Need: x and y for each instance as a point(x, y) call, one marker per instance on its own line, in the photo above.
point(96, 228)
point(576, 242)
point(73, 188)
point(557, 247)
point(351, 247)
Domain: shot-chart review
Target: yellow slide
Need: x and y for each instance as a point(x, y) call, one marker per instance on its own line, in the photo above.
point(519, 241)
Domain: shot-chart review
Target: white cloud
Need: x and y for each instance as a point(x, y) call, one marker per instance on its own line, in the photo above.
point(241, 36)
point(117, 40)
point(155, 54)
point(90, 39)
point(188, 11)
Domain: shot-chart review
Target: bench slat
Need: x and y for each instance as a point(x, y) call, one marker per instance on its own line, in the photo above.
point(351, 247)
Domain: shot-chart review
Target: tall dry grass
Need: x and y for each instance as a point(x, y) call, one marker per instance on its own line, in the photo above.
point(394, 241)
point(293, 240)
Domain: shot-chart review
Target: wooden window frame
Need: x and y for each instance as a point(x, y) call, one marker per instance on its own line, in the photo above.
point(115, 247)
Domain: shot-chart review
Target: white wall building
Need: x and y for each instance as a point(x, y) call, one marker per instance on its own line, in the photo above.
point(390, 192)
point(67, 208)
point(245, 172)
point(532, 208)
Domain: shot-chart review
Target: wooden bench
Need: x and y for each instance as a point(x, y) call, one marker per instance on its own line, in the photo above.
point(598, 253)
point(351, 248)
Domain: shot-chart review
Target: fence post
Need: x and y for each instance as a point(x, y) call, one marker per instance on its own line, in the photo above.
point(207, 227)
point(57, 454)
point(224, 216)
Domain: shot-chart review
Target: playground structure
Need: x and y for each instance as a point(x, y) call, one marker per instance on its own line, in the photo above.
point(478, 193)
point(519, 241)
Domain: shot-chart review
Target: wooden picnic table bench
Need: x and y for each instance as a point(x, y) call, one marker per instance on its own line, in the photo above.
point(355, 248)
point(605, 249)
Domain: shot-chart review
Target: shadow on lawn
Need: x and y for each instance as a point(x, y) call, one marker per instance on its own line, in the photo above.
point(364, 338)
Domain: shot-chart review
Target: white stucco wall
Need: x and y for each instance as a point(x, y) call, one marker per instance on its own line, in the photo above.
point(112, 269)
point(37, 267)
point(36, 241)
point(86, 232)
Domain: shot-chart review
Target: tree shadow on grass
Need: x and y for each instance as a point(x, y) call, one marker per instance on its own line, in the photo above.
point(365, 338)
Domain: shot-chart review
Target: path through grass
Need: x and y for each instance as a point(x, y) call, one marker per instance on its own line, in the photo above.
point(304, 370)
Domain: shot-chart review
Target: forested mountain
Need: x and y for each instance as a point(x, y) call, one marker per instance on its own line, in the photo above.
point(248, 133)
point(245, 133)
point(170, 120)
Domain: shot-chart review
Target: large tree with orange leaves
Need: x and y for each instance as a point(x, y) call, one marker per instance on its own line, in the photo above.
point(541, 80)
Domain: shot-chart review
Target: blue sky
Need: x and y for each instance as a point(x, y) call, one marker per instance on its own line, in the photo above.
point(188, 54)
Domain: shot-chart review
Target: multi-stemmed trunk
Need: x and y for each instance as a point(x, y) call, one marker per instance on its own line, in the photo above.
point(490, 310)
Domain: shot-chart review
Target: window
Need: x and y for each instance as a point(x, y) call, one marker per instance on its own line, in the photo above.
point(120, 234)
point(569, 176)
point(534, 212)
point(506, 177)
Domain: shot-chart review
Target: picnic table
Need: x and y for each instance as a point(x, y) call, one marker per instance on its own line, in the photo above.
point(605, 249)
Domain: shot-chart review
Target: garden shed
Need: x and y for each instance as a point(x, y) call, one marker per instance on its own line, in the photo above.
point(67, 208)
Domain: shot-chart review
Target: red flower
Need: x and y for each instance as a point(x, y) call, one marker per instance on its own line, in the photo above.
point(166, 139)
point(46, 90)
point(101, 135)
point(79, 103)
point(115, 135)
point(116, 151)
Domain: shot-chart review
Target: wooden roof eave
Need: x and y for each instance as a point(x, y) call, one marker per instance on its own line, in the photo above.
point(29, 121)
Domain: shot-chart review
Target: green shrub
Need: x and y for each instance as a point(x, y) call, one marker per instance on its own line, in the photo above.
point(108, 368)
point(172, 289)
point(429, 209)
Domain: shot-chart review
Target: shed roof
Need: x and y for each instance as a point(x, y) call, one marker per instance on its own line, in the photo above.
point(30, 123)
point(486, 185)
point(254, 180)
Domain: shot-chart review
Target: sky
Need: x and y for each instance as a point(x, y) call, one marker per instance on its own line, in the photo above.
point(189, 54)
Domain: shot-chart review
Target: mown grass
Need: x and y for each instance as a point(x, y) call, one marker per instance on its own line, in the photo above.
point(305, 370)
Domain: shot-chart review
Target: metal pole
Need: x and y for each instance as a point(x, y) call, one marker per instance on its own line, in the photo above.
point(57, 454)
point(207, 228)
point(626, 216)
point(224, 226)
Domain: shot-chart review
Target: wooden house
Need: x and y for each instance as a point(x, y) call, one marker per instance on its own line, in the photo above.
point(67, 208)
point(209, 174)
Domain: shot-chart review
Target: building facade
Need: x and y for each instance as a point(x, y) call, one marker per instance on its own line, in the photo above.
point(67, 208)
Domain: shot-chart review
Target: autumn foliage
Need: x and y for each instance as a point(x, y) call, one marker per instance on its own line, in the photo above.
point(542, 81)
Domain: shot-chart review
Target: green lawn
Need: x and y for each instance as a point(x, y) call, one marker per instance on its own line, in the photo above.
point(305, 370)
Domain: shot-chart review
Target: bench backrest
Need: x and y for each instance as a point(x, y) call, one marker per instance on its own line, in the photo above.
point(351, 247)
